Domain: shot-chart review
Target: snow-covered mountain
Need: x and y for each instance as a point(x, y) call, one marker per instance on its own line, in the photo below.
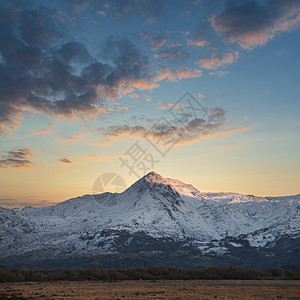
point(155, 221)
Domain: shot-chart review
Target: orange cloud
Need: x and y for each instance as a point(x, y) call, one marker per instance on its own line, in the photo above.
point(93, 156)
point(121, 107)
point(135, 95)
point(201, 96)
point(175, 75)
point(143, 84)
point(41, 131)
point(214, 62)
point(198, 43)
point(100, 12)
point(188, 73)
point(174, 45)
point(165, 106)
point(75, 137)
point(103, 143)
point(148, 98)
point(126, 90)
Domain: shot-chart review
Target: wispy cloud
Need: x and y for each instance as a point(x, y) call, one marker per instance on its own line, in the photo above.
point(76, 137)
point(165, 73)
point(174, 44)
point(165, 106)
point(149, 10)
point(219, 73)
point(198, 43)
point(202, 36)
point(41, 131)
point(120, 107)
point(16, 158)
point(65, 161)
point(77, 5)
point(103, 143)
point(173, 54)
point(201, 96)
point(121, 130)
point(155, 39)
point(135, 95)
point(14, 203)
point(93, 157)
point(101, 12)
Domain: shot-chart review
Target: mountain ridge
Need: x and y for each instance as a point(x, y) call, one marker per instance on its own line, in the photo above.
point(155, 217)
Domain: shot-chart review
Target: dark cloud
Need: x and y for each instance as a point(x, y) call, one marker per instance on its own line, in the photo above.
point(253, 23)
point(38, 26)
point(65, 161)
point(96, 73)
point(129, 65)
point(15, 158)
point(39, 70)
point(33, 72)
point(74, 52)
point(120, 50)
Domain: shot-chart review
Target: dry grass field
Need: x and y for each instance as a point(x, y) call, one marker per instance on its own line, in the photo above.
point(193, 289)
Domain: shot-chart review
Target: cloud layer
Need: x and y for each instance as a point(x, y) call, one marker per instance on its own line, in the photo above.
point(185, 129)
point(44, 69)
point(15, 158)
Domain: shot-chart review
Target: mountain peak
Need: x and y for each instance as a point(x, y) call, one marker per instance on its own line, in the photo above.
point(156, 182)
point(151, 180)
point(153, 177)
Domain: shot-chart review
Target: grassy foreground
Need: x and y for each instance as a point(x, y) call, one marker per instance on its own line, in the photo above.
point(175, 289)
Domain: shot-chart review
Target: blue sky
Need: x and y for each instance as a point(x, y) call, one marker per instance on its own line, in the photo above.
point(83, 81)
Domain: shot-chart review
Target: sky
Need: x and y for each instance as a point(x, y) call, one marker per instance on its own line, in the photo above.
point(203, 91)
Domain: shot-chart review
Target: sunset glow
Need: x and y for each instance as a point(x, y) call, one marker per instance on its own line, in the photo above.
point(83, 81)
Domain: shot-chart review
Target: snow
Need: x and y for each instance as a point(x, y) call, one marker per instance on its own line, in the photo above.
point(235, 244)
point(157, 206)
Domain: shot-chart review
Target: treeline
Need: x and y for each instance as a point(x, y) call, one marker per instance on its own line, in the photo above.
point(151, 273)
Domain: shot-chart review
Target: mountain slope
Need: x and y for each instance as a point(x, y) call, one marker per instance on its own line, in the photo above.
point(154, 218)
